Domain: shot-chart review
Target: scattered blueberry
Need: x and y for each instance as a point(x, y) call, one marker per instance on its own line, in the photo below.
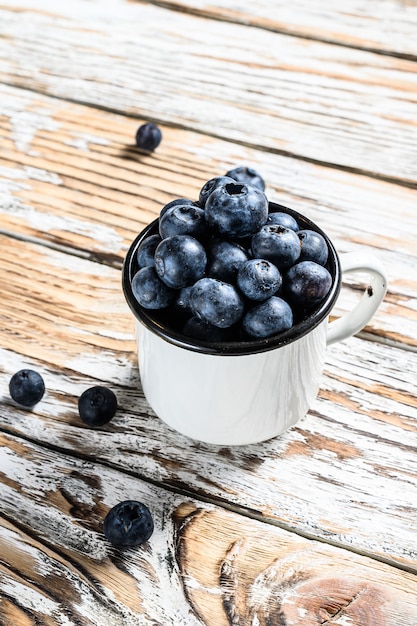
point(210, 186)
point(283, 219)
point(216, 302)
point(146, 251)
point(224, 260)
point(176, 202)
point(307, 283)
point(277, 244)
point(236, 210)
point(180, 261)
point(248, 176)
point(150, 291)
point(128, 524)
point(148, 137)
point(259, 279)
point(268, 318)
point(183, 219)
point(26, 387)
point(313, 247)
point(97, 406)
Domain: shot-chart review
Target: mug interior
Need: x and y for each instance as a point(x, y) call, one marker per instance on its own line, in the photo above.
point(159, 322)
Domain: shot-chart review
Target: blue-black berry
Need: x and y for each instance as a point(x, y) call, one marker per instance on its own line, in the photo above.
point(148, 137)
point(97, 406)
point(248, 176)
point(216, 302)
point(128, 524)
point(236, 210)
point(26, 387)
point(307, 283)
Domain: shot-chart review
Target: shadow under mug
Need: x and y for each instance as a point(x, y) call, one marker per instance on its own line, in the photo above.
point(245, 392)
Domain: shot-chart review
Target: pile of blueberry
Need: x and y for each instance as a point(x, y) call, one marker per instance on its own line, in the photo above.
point(225, 268)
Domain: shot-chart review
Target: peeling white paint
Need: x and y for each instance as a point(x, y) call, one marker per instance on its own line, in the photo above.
point(33, 600)
point(82, 140)
point(25, 125)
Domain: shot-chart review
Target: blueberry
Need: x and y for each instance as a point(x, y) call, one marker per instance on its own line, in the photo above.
point(97, 406)
point(176, 202)
point(307, 283)
point(150, 291)
point(248, 176)
point(259, 279)
point(210, 186)
point(216, 302)
point(196, 328)
point(236, 210)
point(128, 524)
point(224, 260)
point(182, 302)
point(283, 219)
point(26, 387)
point(180, 261)
point(277, 244)
point(268, 318)
point(183, 219)
point(148, 137)
point(313, 247)
point(146, 251)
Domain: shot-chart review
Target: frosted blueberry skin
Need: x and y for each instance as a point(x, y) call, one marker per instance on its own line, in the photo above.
point(176, 202)
point(180, 261)
point(97, 406)
point(183, 219)
point(146, 251)
point(277, 244)
point(224, 260)
point(259, 279)
point(236, 210)
point(216, 302)
point(268, 318)
point(149, 290)
point(313, 247)
point(283, 219)
point(26, 387)
point(306, 284)
point(128, 524)
point(247, 175)
point(210, 186)
point(148, 137)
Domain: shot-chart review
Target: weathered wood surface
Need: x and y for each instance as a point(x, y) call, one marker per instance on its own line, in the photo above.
point(203, 565)
point(345, 107)
point(354, 453)
point(384, 25)
point(70, 177)
point(332, 129)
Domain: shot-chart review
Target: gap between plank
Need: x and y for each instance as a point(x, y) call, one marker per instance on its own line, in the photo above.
point(219, 502)
point(173, 6)
point(254, 146)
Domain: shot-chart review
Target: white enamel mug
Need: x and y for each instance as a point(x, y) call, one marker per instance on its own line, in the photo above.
point(250, 391)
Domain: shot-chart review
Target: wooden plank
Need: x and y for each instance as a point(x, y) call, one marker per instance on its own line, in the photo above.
point(68, 176)
point(349, 108)
point(384, 25)
point(346, 473)
point(202, 565)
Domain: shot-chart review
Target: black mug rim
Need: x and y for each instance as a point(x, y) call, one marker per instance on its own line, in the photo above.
point(235, 348)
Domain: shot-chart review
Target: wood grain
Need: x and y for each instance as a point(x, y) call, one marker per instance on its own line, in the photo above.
point(332, 104)
point(387, 26)
point(69, 177)
point(356, 448)
point(202, 565)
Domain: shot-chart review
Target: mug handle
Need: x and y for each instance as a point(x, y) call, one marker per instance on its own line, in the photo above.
point(353, 321)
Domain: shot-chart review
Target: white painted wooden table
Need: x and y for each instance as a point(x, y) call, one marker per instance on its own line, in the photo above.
point(318, 526)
